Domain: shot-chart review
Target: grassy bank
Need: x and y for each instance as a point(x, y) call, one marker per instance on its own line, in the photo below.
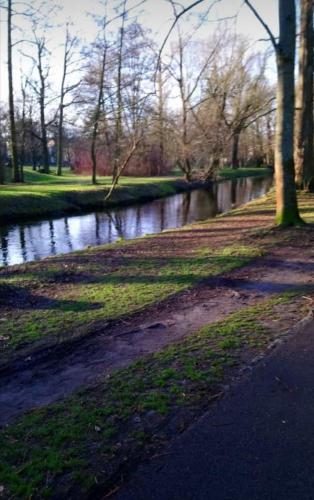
point(230, 173)
point(45, 195)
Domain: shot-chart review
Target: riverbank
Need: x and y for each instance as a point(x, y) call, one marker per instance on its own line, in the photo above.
point(155, 327)
point(45, 195)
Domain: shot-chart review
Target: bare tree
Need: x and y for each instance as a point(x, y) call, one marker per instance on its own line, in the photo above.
point(98, 107)
point(13, 137)
point(65, 90)
point(118, 119)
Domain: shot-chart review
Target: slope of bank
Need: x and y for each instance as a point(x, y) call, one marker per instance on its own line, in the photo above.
point(45, 195)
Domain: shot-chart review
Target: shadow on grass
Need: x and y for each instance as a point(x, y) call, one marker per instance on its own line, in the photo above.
point(19, 297)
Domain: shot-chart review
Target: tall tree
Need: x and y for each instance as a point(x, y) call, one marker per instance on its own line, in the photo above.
point(287, 212)
point(118, 119)
point(304, 165)
point(70, 43)
point(13, 137)
point(98, 108)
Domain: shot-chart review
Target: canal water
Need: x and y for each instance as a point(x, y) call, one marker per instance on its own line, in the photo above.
point(26, 242)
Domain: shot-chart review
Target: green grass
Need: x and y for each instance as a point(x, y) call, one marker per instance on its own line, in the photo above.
point(43, 195)
point(73, 309)
point(230, 173)
point(75, 441)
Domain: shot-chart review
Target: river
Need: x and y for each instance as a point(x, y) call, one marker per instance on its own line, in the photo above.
point(28, 241)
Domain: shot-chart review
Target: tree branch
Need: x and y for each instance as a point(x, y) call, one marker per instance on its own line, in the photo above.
point(261, 20)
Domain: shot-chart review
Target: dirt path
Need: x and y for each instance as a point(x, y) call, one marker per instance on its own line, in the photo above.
point(38, 382)
point(256, 443)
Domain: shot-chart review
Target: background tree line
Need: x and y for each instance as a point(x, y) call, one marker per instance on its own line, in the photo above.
point(119, 105)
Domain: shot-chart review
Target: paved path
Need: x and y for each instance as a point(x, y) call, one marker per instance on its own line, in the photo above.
point(255, 444)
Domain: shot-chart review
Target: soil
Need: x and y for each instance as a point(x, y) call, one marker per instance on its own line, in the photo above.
point(39, 380)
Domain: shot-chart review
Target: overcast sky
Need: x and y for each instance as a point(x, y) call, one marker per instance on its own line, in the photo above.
point(154, 14)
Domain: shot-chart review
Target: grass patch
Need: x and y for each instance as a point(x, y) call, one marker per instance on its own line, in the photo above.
point(230, 173)
point(81, 440)
point(62, 302)
point(45, 195)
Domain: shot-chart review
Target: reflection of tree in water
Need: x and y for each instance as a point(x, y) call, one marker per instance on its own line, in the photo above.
point(186, 205)
point(31, 241)
point(138, 220)
point(53, 249)
point(23, 243)
point(4, 246)
point(207, 203)
point(67, 233)
point(233, 192)
point(97, 229)
point(212, 200)
point(117, 221)
point(162, 216)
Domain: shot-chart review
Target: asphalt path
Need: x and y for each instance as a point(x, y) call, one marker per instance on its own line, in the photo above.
point(257, 443)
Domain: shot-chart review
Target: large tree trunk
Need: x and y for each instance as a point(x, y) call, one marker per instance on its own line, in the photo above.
point(13, 138)
point(286, 200)
point(303, 157)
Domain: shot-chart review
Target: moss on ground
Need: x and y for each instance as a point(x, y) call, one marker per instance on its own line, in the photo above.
point(60, 304)
point(72, 445)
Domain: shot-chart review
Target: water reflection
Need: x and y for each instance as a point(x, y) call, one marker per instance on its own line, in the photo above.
point(25, 242)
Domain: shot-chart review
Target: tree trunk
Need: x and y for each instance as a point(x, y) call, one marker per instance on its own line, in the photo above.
point(304, 168)
point(44, 141)
point(118, 124)
point(42, 106)
point(60, 140)
point(235, 150)
point(286, 200)
point(97, 116)
point(13, 138)
point(160, 121)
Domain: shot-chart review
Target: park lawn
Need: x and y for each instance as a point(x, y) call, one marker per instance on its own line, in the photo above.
point(49, 195)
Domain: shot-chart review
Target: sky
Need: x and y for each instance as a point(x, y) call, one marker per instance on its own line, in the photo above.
point(156, 15)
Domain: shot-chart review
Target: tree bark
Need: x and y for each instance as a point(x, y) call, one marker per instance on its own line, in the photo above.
point(13, 138)
point(287, 212)
point(304, 168)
